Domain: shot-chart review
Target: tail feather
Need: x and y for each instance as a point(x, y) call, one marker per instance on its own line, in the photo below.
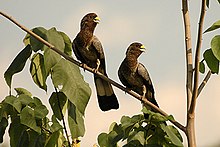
point(106, 98)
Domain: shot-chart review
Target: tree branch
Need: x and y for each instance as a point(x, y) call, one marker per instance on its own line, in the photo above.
point(85, 67)
point(188, 44)
point(204, 82)
point(197, 57)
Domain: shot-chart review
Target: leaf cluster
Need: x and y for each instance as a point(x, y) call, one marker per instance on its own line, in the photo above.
point(212, 56)
point(139, 131)
point(71, 98)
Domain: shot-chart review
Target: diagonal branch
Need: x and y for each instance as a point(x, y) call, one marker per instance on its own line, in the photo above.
point(204, 82)
point(85, 67)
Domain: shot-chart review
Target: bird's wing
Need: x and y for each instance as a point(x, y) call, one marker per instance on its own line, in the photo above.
point(75, 48)
point(142, 71)
point(96, 44)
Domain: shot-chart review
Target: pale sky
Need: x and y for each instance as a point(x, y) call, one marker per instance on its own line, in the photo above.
point(156, 24)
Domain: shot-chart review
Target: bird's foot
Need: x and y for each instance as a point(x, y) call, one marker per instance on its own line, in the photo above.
point(97, 68)
point(83, 65)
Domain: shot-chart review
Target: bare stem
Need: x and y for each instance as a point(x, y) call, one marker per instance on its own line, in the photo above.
point(85, 67)
point(188, 48)
point(197, 57)
point(204, 82)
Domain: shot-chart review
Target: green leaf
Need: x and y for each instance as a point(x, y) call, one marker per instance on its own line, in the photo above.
point(68, 44)
point(23, 91)
point(17, 64)
point(40, 112)
point(51, 57)
point(54, 103)
point(35, 44)
point(26, 39)
point(17, 133)
point(3, 126)
point(28, 118)
point(25, 99)
point(67, 75)
point(105, 139)
point(172, 136)
point(56, 125)
point(38, 71)
point(14, 102)
point(201, 67)
point(215, 46)
point(211, 61)
point(76, 121)
point(139, 136)
point(207, 3)
point(214, 26)
point(55, 140)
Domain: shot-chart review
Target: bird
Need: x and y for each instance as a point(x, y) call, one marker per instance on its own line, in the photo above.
point(88, 49)
point(135, 76)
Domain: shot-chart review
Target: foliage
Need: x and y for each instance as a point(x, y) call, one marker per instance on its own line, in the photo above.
point(212, 56)
point(138, 131)
point(27, 116)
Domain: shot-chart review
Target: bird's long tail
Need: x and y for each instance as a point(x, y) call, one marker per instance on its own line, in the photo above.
point(106, 98)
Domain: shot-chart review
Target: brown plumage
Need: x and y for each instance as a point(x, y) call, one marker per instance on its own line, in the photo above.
point(88, 49)
point(134, 75)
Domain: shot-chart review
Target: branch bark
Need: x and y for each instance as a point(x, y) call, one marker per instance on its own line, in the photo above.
point(204, 82)
point(190, 128)
point(85, 67)
point(188, 48)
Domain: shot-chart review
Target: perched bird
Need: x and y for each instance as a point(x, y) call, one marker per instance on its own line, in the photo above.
point(134, 75)
point(88, 49)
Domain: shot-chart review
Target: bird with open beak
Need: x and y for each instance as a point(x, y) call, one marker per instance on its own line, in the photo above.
point(88, 49)
point(134, 75)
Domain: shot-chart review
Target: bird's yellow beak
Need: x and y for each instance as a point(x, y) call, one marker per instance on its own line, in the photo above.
point(142, 48)
point(97, 19)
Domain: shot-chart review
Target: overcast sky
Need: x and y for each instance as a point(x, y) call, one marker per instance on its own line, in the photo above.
point(156, 24)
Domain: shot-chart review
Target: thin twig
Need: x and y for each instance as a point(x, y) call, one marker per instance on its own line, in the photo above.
point(197, 57)
point(204, 82)
point(85, 67)
point(62, 116)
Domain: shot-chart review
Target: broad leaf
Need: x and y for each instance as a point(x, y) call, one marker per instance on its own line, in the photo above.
point(214, 26)
point(51, 57)
point(76, 121)
point(211, 61)
point(17, 64)
point(56, 125)
point(3, 126)
point(58, 101)
point(40, 111)
point(14, 102)
point(201, 67)
point(68, 44)
point(23, 91)
point(139, 136)
point(55, 140)
point(38, 71)
point(28, 118)
point(215, 46)
point(172, 136)
point(17, 133)
point(35, 44)
point(67, 75)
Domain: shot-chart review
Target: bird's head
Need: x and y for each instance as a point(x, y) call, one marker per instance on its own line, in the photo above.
point(90, 20)
point(135, 49)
